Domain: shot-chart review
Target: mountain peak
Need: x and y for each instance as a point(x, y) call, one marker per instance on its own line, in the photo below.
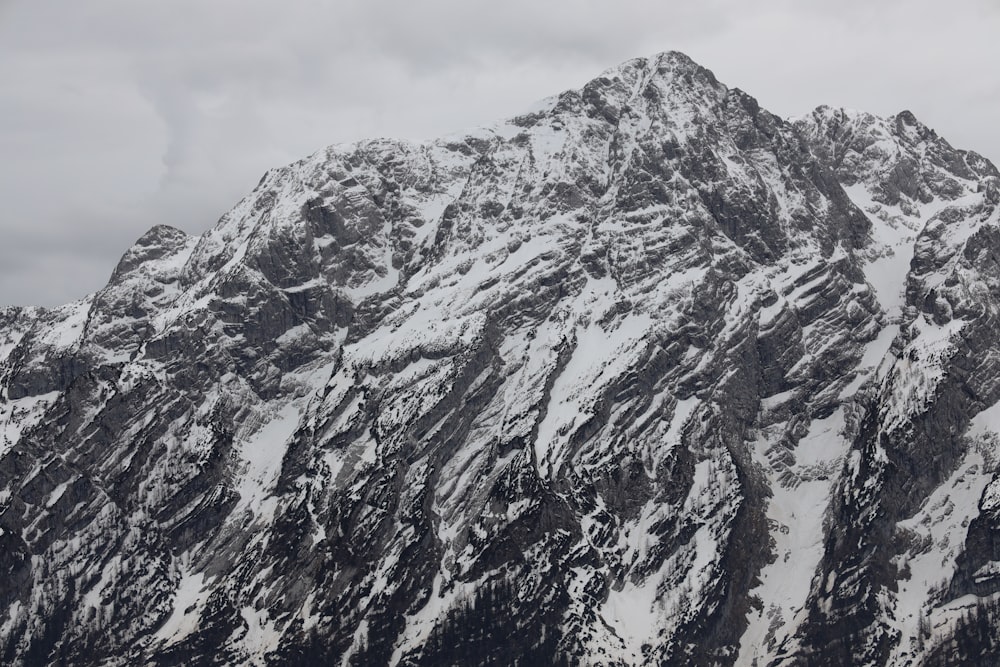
point(157, 242)
point(675, 62)
point(668, 69)
point(648, 376)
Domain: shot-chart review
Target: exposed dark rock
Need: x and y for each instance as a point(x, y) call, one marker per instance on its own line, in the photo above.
point(646, 376)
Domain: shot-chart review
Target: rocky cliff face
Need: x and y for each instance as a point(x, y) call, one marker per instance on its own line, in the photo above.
point(648, 375)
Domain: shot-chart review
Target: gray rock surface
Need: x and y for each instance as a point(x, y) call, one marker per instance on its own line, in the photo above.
point(647, 375)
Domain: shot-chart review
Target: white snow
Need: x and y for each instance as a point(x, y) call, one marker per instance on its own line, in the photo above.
point(914, 378)
point(643, 609)
point(15, 612)
point(93, 597)
point(381, 282)
point(941, 525)
point(445, 314)
point(420, 624)
point(261, 637)
point(682, 412)
point(57, 493)
point(598, 357)
point(262, 452)
point(18, 415)
point(188, 602)
point(893, 236)
point(875, 361)
point(636, 613)
point(68, 329)
point(795, 514)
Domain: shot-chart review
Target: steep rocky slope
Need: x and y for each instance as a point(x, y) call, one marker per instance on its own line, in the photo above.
point(648, 375)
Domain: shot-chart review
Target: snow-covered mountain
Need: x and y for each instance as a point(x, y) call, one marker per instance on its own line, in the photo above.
point(645, 376)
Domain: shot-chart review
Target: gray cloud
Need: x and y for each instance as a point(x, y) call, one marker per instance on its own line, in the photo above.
point(119, 114)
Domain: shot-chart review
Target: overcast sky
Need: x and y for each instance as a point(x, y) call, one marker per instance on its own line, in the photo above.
point(116, 115)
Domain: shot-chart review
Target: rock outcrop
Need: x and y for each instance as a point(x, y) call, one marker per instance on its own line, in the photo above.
point(645, 376)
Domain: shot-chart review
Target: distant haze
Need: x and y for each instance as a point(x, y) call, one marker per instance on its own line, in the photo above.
point(116, 115)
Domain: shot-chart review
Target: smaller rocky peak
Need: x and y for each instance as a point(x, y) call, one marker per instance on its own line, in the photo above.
point(908, 128)
point(938, 152)
point(837, 123)
point(160, 242)
point(11, 315)
point(163, 235)
point(15, 321)
point(844, 129)
point(861, 147)
point(147, 280)
point(907, 118)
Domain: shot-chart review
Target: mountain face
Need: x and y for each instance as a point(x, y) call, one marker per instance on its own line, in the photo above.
point(645, 376)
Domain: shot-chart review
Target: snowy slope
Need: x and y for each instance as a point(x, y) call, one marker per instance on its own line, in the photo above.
point(646, 375)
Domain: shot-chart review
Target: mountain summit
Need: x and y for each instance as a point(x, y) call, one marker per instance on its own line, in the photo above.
point(646, 376)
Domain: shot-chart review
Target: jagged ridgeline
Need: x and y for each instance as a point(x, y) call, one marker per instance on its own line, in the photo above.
point(645, 376)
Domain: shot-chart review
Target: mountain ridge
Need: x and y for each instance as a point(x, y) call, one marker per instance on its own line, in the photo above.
point(575, 387)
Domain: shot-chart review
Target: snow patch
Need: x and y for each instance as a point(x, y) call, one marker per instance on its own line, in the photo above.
point(795, 515)
point(262, 453)
point(189, 599)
